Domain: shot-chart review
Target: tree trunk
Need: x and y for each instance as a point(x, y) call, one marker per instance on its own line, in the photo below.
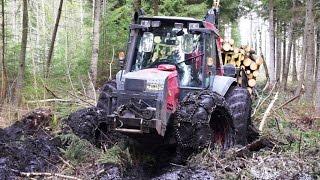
point(271, 37)
point(318, 77)
point(310, 53)
point(294, 63)
point(155, 7)
point(4, 75)
point(318, 52)
point(81, 19)
point(290, 43)
point(286, 64)
point(22, 59)
point(95, 43)
point(284, 50)
point(278, 53)
point(264, 60)
point(53, 39)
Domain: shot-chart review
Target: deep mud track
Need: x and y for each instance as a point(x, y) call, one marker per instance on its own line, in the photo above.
point(27, 146)
point(30, 145)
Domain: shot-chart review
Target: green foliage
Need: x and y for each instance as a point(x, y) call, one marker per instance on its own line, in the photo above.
point(78, 150)
point(117, 156)
point(235, 34)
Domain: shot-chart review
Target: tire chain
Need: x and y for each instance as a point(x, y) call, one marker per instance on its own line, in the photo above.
point(195, 98)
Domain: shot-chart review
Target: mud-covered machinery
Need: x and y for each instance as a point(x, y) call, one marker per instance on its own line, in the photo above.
point(174, 87)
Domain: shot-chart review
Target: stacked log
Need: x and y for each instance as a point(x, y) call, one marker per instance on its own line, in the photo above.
point(243, 58)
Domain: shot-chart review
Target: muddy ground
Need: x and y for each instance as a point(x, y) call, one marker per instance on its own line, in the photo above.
point(32, 145)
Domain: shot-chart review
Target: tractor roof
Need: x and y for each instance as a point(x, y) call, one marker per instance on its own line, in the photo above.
point(183, 20)
point(173, 18)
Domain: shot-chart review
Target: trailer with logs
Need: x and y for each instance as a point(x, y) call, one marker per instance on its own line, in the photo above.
point(245, 60)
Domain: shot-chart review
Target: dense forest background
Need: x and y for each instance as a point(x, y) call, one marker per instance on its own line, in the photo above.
point(48, 47)
point(55, 56)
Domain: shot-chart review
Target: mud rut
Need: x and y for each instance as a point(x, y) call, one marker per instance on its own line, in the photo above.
point(30, 145)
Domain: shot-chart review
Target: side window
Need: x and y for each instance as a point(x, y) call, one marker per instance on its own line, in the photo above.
point(211, 58)
point(211, 50)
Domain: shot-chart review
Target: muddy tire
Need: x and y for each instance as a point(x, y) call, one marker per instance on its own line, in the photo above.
point(203, 119)
point(105, 97)
point(84, 122)
point(239, 102)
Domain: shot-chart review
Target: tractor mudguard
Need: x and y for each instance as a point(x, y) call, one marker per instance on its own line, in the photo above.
point(221, 84)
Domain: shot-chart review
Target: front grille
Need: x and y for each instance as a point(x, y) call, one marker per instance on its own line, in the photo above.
point(135, 85)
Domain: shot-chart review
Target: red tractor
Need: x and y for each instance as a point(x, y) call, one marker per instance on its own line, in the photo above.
point(174, 87)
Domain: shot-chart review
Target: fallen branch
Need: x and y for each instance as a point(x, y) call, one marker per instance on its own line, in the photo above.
point(52, 100)
point(267, 112)
point(77, 97)
point(48, 90)
point(31, 174)
point(264, 100)
point(287, 102)
point(67, 163)
point(256, 145)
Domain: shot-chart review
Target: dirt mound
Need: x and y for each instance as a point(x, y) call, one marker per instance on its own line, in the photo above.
point(28, 146)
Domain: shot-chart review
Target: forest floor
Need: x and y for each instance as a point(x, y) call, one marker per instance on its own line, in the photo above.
point(38, 143)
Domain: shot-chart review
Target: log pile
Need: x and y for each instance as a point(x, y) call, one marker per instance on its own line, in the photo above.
point(243, 58)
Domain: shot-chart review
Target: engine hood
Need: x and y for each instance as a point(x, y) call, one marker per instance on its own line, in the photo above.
point(152, 76)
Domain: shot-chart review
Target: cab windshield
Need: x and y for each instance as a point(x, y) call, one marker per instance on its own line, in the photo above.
point(170, 45)
point(165, 46)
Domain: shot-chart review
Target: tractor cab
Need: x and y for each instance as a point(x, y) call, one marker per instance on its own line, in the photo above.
point(188, 45)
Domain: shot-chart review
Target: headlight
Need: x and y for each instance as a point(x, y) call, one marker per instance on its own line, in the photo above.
point(154, 87)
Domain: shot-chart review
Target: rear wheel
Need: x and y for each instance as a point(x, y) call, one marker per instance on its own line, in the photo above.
point(202, 120)
point(239, 102)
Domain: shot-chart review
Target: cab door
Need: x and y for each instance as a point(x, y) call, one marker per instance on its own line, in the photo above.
point(211, 58)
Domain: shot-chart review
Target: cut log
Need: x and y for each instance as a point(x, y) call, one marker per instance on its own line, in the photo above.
point(255, 57)
point(253, 66)
point(236, 50)
point(259, 61)
point(255, 73)
point(231, 42)
point(242, 51)
point(235, 56)
point(238, 63)
point(233, 63)
point(252, 51)
point(248, 72)
point(250, 76)
point(247, 62)
point(252, 82)
point(226, 47)
point(247, 48)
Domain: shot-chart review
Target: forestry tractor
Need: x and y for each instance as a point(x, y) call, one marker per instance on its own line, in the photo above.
point(174, 87)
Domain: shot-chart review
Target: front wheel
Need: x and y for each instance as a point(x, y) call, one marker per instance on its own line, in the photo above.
point(202, 120)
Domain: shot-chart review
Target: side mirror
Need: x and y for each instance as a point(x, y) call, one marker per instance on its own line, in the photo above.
point(121, 58)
